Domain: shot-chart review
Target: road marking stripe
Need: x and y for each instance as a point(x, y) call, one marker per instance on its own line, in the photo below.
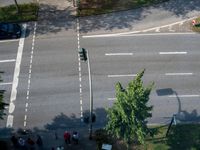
point(111, 99)
point(8, 60)
point(118, 54)
point(184, 96)
point(16, 78)
point(8, 83)
point(124, 75)
point(178, 74)
point(169, 53)
point(4, 41)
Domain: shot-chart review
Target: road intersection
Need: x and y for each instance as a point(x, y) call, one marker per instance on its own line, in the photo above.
point(52, 81)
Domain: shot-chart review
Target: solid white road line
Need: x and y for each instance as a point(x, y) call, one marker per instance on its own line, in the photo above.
point(138, 33)
point(178, 74)
point(16, 78)
point(118, 54)
point(8, 60)
point(8, 83)
point(4, 41)
point(171, 53)
point(124, 75)
point(184, 96)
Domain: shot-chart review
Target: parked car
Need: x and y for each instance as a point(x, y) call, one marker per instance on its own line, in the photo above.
point(10, 30)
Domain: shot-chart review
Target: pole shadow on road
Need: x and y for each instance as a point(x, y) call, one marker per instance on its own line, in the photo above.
point(181, 115)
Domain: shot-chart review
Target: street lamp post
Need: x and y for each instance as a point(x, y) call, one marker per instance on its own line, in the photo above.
point(84, 55)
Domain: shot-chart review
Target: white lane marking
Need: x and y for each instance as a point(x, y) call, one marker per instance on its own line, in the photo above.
point(4, 41)
point(139, 34)
point(178, 74)
point(8, 60)
point(139, 31)
point(29, 76)
point(184, 96)
point(79, 69)
point(171, 53)
point(122, 75)
point(157, 30)
point(118, 54)
point(16, 78)
point(8, 83)
point(111, 99)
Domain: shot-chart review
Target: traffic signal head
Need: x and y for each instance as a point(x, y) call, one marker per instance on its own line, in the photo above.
point(83, 54)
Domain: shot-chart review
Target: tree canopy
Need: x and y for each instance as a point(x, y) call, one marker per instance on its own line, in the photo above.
point(127, 117)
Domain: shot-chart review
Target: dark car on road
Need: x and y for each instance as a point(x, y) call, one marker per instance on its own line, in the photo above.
point(10, 31)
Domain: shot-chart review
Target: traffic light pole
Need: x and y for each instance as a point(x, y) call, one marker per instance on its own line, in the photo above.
point(91, 97)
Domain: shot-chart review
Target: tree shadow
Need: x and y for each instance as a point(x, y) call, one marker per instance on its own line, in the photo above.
point(184, 137)
point(51, 19)
point(52, 133)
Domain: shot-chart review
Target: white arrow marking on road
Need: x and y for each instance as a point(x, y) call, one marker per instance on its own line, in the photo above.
point(8, 83)
point(184, 96)
point(178, 74)
point(118, 54)
point(125, 75)
point(171, 53)
point(9, 60)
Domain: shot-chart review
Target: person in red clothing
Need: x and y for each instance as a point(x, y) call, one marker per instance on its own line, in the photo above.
point(67, 137)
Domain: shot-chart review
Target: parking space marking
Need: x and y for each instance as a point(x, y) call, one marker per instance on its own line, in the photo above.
point(118, 54)
point(16, 78)
point(5, 41)
point(8, 83)
point(171, 53)
point(122, 75)
point(178, 74)
point(8, 60)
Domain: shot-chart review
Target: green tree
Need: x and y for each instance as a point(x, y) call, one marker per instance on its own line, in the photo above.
point(127, 117)
point(2, 104)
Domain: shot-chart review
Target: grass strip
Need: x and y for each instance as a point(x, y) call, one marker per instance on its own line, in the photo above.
point(28, 12)
point(92, 7)
point(196, 27)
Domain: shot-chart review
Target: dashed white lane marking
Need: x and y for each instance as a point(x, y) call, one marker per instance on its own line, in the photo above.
point(111, 99)
point(171, 53)
point(29, 75)
point(118, 54)
point(8, 83)
point(79, 69)
point(184, 96)
point(178, 74)
point(16, 79)
point(170, 96)
point(8, 60)
point(122, 75)
point(4, 41)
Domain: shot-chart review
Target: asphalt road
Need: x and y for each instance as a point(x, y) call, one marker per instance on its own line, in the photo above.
point(160, 68)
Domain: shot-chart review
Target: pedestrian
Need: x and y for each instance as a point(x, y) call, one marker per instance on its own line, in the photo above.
point(75, 137)
point(14, 141)
point(67, 137)
point(30, 143)
point(39, 140)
